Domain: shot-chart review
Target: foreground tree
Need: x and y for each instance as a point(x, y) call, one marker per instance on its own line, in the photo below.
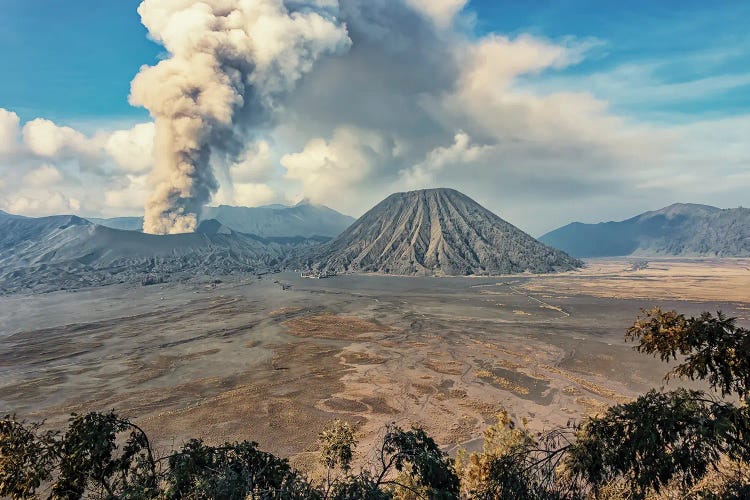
point(84, 459)
point(25, 458)
point(674, 440)
point(676, 437)
point(659, 439)
point(693, 444)
point(233, 471)
point(514, 463)
point(104, 456)
point(410, 465)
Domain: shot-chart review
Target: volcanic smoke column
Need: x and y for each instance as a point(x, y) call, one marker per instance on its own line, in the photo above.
point(228, 61)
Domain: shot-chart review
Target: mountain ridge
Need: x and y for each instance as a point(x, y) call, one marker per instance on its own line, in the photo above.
point(680, 229)
point(66, 252)
point(301, 220)
point(435, 232)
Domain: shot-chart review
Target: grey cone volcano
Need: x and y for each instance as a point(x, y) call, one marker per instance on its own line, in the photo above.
point(436, 232)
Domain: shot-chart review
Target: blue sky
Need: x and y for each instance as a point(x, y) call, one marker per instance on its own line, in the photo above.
point(677, 59)
point(73, 61)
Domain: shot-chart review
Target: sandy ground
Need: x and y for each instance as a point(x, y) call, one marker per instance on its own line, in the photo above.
point(274, 359)
point(694, 280)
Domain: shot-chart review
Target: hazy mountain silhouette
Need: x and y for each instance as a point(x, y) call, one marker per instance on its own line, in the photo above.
point(681, 229)
point(304, 219)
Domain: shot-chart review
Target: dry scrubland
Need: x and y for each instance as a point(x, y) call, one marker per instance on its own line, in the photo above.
point(274, 359)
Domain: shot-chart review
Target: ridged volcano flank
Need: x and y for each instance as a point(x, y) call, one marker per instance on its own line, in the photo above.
point(436, 232)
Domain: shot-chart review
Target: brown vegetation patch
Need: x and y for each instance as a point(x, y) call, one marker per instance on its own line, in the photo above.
point(445, 367)
point(457, 393)
point(29, 387)
point(501, 382)
point(424, 389)
point(592, 406)
point(143, 371)
point(278, 408)
point(197, 355)
point(463, 430)
point(285, 311)
point(224, 306)
point(331, 326)
point(719, 280)
point(589, 386)
point(451, 394)
point(513, 380)
point(345, 405)
point(226, 311)
point(362, 358)
point(379, 405)
point(508, 365)
point(488, 411)
point(585, 384)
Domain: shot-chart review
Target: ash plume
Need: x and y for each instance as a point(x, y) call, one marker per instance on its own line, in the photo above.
point(229, 61)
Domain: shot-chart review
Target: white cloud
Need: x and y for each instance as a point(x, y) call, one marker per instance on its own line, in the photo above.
point(9, 131)
point(46, 175)
point(41, 203)
point(486, 96)
point(522, 150)
point(128, 197)
point(133, 149)
point(45, 138)
point(441, 12)
point(327, 168)
point(247, 194)
point(460, 154)
point(48, 168)
point(255, 165)
point(253, 194)
point(494, 61)
point(647, 87)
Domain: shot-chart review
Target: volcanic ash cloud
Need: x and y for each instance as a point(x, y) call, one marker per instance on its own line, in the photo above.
point(228, 61)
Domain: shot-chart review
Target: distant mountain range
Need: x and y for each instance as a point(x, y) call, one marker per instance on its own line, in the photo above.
point(677, 230)
point(430, 232)
point(304, 219)
point(65, 251)
point(6, 215)
point(435, 232)
point(122, 223)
